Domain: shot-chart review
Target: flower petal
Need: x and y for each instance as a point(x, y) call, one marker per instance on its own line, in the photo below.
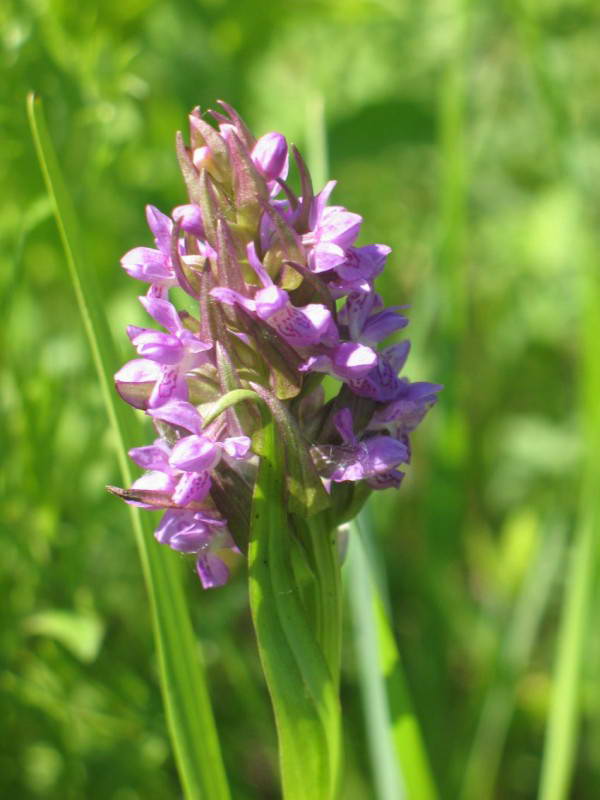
point(135, 381)
point(237, 446)
point(163, 312)
point(212, 571)
point(195, 453)
point(179, 413)
point(161, 226)
point(192, 486)
point(152, 456)
point(149, 265)
point(189, 217)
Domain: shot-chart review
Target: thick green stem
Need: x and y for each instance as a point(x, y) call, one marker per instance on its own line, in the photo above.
point(320, 543)
point(298, 642)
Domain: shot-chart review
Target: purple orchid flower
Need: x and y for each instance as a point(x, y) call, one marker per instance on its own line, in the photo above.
point(332, 230)
point(381, 383)
point(198, 451)
point(365, 322)
point(359, 269)
point(147, 264)
point(176, 354)
point(164, 484)
point(349, 362)
point(189, 217)
point(180, 476)
point(403, 414)
point(203, 534)
point(270, 157)
point(301, 327)
point(374, 459)
point(268, 230)
point(290, 267)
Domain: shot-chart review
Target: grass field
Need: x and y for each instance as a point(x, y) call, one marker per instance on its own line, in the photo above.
point(467, 135)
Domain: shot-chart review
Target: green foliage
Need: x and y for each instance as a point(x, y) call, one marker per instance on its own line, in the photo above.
point(466, 136)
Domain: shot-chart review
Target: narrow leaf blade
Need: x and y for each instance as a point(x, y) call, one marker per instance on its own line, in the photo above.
point(400, 763)
point(183, 684)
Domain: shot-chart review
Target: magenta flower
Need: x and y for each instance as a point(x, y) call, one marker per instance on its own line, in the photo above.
point(301, 327)
point(366, 323)
point(171, 355)
point(149, 265)
point(203, 534)
point(333, 230)
point(374, 459)
point(189, 217)
point(279, 294)
point(270, 156)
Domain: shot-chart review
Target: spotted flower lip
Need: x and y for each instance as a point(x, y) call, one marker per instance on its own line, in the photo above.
point(177, 353)
point(365, 322)
point(279, 294)
point(373, 457)
point(301, 327)
point(202, 534)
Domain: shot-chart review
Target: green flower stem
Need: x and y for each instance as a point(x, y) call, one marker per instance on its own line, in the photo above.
point(303, 690)
point(329, 581)
point(320, 542)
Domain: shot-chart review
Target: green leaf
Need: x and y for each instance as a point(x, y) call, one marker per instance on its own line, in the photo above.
point(514, 651)
point(187, 704)
point(80, 633)
point(397, 751)
point(560, 745)
point(302, 687)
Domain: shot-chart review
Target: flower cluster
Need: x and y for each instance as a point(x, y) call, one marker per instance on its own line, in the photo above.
point(278, 296)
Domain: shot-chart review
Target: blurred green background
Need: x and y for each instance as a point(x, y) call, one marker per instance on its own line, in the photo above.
point(468, 136)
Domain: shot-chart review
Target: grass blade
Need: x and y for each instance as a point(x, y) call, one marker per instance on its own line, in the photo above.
point(514, 652)
point(561, 731)
point(400, 763)
point(187, 704)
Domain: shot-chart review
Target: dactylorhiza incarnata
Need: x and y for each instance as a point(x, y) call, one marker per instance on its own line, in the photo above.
point(278, 297)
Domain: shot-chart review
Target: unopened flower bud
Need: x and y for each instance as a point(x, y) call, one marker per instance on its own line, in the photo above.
point(270, 156)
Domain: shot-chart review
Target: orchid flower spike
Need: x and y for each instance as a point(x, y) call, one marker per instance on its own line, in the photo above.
point(279, 295)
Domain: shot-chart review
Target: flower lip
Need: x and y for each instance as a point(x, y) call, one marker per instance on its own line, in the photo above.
point(161, 347)
point(149, 265)
point(354, 359)
point(269, 301)
point(195, 453)
point(179, 413)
